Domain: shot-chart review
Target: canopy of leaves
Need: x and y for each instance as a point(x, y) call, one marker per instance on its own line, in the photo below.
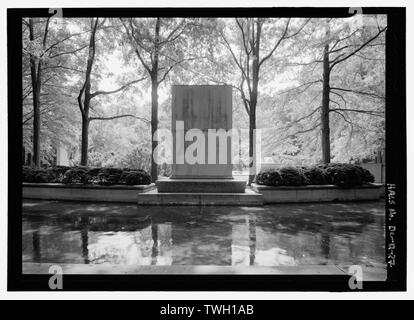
point(196, 51)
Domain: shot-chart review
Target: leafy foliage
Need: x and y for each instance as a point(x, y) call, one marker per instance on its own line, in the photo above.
point(347, 175)
point(340, 174)
point(138, 177)
point(288, 176)
point(289, 91)
point(316, 175)
point(85, 175)
point(76, 175)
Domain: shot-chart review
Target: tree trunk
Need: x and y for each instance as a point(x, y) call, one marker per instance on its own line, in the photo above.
point(325, 136)
point(252, 154)
point(240, 150)
point(154, 99)
point(84, 142)
point(35, 76)
point(86, 91)
point(154, 126)
point(256, 34)
point(85, 106)
point(36, 126)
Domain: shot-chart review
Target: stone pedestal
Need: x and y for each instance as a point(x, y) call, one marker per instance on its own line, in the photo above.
point(208, 183)
point(201, 185)
point(201, 107)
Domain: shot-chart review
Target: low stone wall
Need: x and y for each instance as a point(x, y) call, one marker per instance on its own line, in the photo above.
point(82, 192)
point(317, 193)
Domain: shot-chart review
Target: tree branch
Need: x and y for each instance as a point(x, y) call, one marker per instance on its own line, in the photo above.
point(68, 52)
point(136, 41)
point(359, 92)
point(344, 38)
point(277, 43)
point(170, 37)
point(339, 95)
point(307, 116)
point(64, 39)
point(308, 84)
point(283, 37)
point(306, 130)
point(358, 49)
point(244, 38)
point(232, 53)
point(120, 116)
point(370, 112)
point(176, 62)
point(63, 67)
point(125, 86)
point(245, 100)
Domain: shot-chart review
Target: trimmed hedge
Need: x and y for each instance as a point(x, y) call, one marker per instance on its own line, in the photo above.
point(52, 174)
point(315, 175)
point(340, 174)
point(86, 175)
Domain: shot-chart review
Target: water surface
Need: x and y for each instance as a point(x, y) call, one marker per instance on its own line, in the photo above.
point(278, 235)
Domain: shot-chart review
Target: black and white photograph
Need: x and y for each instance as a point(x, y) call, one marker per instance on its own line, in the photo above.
point(206, 149)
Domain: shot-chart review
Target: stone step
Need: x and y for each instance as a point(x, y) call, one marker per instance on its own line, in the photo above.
point(153, 197)
point(200, 186)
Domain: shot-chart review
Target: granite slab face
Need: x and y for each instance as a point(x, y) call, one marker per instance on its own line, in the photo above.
point(201, 107)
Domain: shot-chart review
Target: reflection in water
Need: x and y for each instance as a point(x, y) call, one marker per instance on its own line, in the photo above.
point(268, 236)
point(36, 246)
point(240, 250)
point(85, 251)
point(164, 244)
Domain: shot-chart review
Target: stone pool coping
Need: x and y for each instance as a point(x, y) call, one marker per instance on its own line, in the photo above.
point(84, 192)
point(369, 273)
point(317, 193)
point(129, 194)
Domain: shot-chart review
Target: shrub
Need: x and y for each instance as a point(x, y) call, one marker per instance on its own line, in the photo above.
point(293, 176)
point(347, 175)
point(92, 175)
point(340, 174)
point(104, 176)
point(137, 177)
point(315, 175)
point(76, 175)
point(289, 176)
point(368, 176)
point(344, 176)
point(28, 174)
point(36, 175)
point(109, 176)
point(270, 177)
point(56, 174)
point(42, 176)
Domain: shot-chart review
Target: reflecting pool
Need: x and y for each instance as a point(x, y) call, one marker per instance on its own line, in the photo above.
point(279, 235)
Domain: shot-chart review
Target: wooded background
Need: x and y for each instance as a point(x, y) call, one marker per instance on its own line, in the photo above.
point(102, 86)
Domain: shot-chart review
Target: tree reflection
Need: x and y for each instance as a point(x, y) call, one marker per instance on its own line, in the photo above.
point(36, 246)
point(84, 238)
point(208, 236)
